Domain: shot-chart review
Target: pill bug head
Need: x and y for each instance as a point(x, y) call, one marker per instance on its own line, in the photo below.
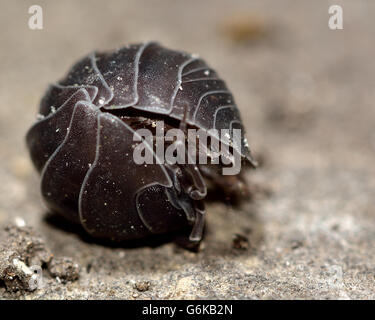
point(84, 140)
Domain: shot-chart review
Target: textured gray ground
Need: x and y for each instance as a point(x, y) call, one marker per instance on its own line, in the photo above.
point(307, 96)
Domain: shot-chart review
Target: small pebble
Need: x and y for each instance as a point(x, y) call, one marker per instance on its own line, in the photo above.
point(142, 286)
point(240, 242)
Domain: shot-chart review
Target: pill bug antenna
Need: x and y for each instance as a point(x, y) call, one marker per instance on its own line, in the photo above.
point(199, 191)
point(183, 126)
point(197, 232)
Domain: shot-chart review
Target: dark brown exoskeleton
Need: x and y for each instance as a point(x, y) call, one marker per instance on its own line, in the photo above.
point(83, 142)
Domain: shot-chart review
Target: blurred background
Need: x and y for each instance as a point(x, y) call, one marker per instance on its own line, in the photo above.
point(306, 95)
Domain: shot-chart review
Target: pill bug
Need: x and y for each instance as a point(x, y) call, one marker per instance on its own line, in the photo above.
point(83, 140)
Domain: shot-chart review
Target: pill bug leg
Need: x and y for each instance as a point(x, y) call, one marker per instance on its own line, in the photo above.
point(190, 239)
point(198, 188)
point(197, 231)
point(189, 182)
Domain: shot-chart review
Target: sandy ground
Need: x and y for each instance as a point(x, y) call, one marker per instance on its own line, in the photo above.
point(306, 94)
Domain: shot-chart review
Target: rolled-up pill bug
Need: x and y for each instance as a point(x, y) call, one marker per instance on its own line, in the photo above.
point(83, 141)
